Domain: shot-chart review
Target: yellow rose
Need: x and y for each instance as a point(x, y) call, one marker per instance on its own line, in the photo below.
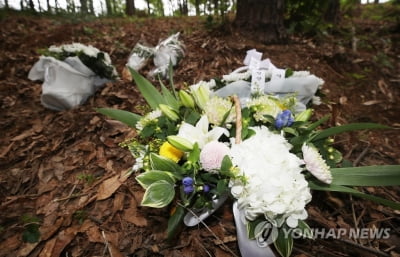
point(170, 152)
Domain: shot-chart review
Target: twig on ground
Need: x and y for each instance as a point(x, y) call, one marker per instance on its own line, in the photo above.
point(368, 249)
point(216, 237)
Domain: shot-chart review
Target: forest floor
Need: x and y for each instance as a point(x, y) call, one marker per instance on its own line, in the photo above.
point(61, 171)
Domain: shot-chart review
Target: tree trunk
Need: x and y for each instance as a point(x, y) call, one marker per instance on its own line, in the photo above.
point(216, 7)
point(91, 7)
point(148, 7)
point(376, 1)
point(262, 20)
point(332, 13)
point(31, 5)
point(197, 7)
point(109, 7)
point(84, 6)
point(130, 7)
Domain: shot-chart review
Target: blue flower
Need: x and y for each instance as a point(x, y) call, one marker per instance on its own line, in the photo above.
point(188, 189)
point(206, 188)
point(187, 181)
point(284, 119)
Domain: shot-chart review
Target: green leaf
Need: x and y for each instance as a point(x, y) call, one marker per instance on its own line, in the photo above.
point(345, 128)
point(175, 221)
point(194, 155)
point(251, 228)
point(385, 175)
point(149, 177)
point(226, 164)
point(159, 194)
point(148, 91)
point(284, 243)
point(159, 162)
point(304, 230)
point(169, 97)
point(319, 122)
point(315, 185)
point(125, 117)
point(31, 233)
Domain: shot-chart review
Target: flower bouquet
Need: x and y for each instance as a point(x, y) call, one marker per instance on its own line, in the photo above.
point(71, 73)
point(196, 147)
point(169, 51)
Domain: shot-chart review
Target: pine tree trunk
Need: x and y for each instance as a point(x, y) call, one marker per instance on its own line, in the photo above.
point(261, 20)
point(197, 7)
point(332, 12)
point(109, 7)
point(84, 6)
point(130, 7)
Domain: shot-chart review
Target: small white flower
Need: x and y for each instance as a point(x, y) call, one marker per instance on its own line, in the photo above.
point(148, 118)
point(265, 105)
point(300, 74)
point(212, 154)
point(315, 164)
point(236, 76)
point(216, 109)
point(55, 49)
point(316, 100)
point(199, 133)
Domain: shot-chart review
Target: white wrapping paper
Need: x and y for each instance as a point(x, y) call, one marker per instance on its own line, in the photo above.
point(66, 84)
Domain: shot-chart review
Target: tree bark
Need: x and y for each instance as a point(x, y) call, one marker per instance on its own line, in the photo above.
point(130, 7)
point(332, 13)
point(262, 20)
point(84, 6)
point(197, 7)
point(109, 7)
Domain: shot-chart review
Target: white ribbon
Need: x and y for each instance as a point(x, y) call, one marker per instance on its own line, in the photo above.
point(193, 218)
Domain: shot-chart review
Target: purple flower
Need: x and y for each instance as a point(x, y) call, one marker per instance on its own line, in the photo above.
point(187, 181)
point(206, 188)
point(284, 119)
point(188, 189)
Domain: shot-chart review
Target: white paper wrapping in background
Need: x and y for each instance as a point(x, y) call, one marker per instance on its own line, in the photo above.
point(66, 84)
point(302, 84)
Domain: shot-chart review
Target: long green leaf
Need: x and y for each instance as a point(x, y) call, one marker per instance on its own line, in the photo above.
point(125, 117)
point(336, 188)
point(284, 243)
point(385, 175)
point(152, 96)
point(345, 128)
point(175, 222)
point(169, 97)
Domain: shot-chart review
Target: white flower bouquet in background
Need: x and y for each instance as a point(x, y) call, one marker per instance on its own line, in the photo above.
point(168, 52)
point(197, 146)
point(71, 73)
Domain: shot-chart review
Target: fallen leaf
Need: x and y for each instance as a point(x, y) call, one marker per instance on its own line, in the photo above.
point(109, 186)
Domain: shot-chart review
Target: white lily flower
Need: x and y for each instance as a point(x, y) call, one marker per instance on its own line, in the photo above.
point(199, 134)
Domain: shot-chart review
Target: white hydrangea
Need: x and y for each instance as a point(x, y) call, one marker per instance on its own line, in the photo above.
point(216, 109)
point(148, 118)
point(265, 105)
point(236, 76)
point(55, 49)
point(300, 74)
point(275, 187)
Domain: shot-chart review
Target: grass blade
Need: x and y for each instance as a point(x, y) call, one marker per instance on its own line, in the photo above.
point(385, 175)
point(125, 117)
